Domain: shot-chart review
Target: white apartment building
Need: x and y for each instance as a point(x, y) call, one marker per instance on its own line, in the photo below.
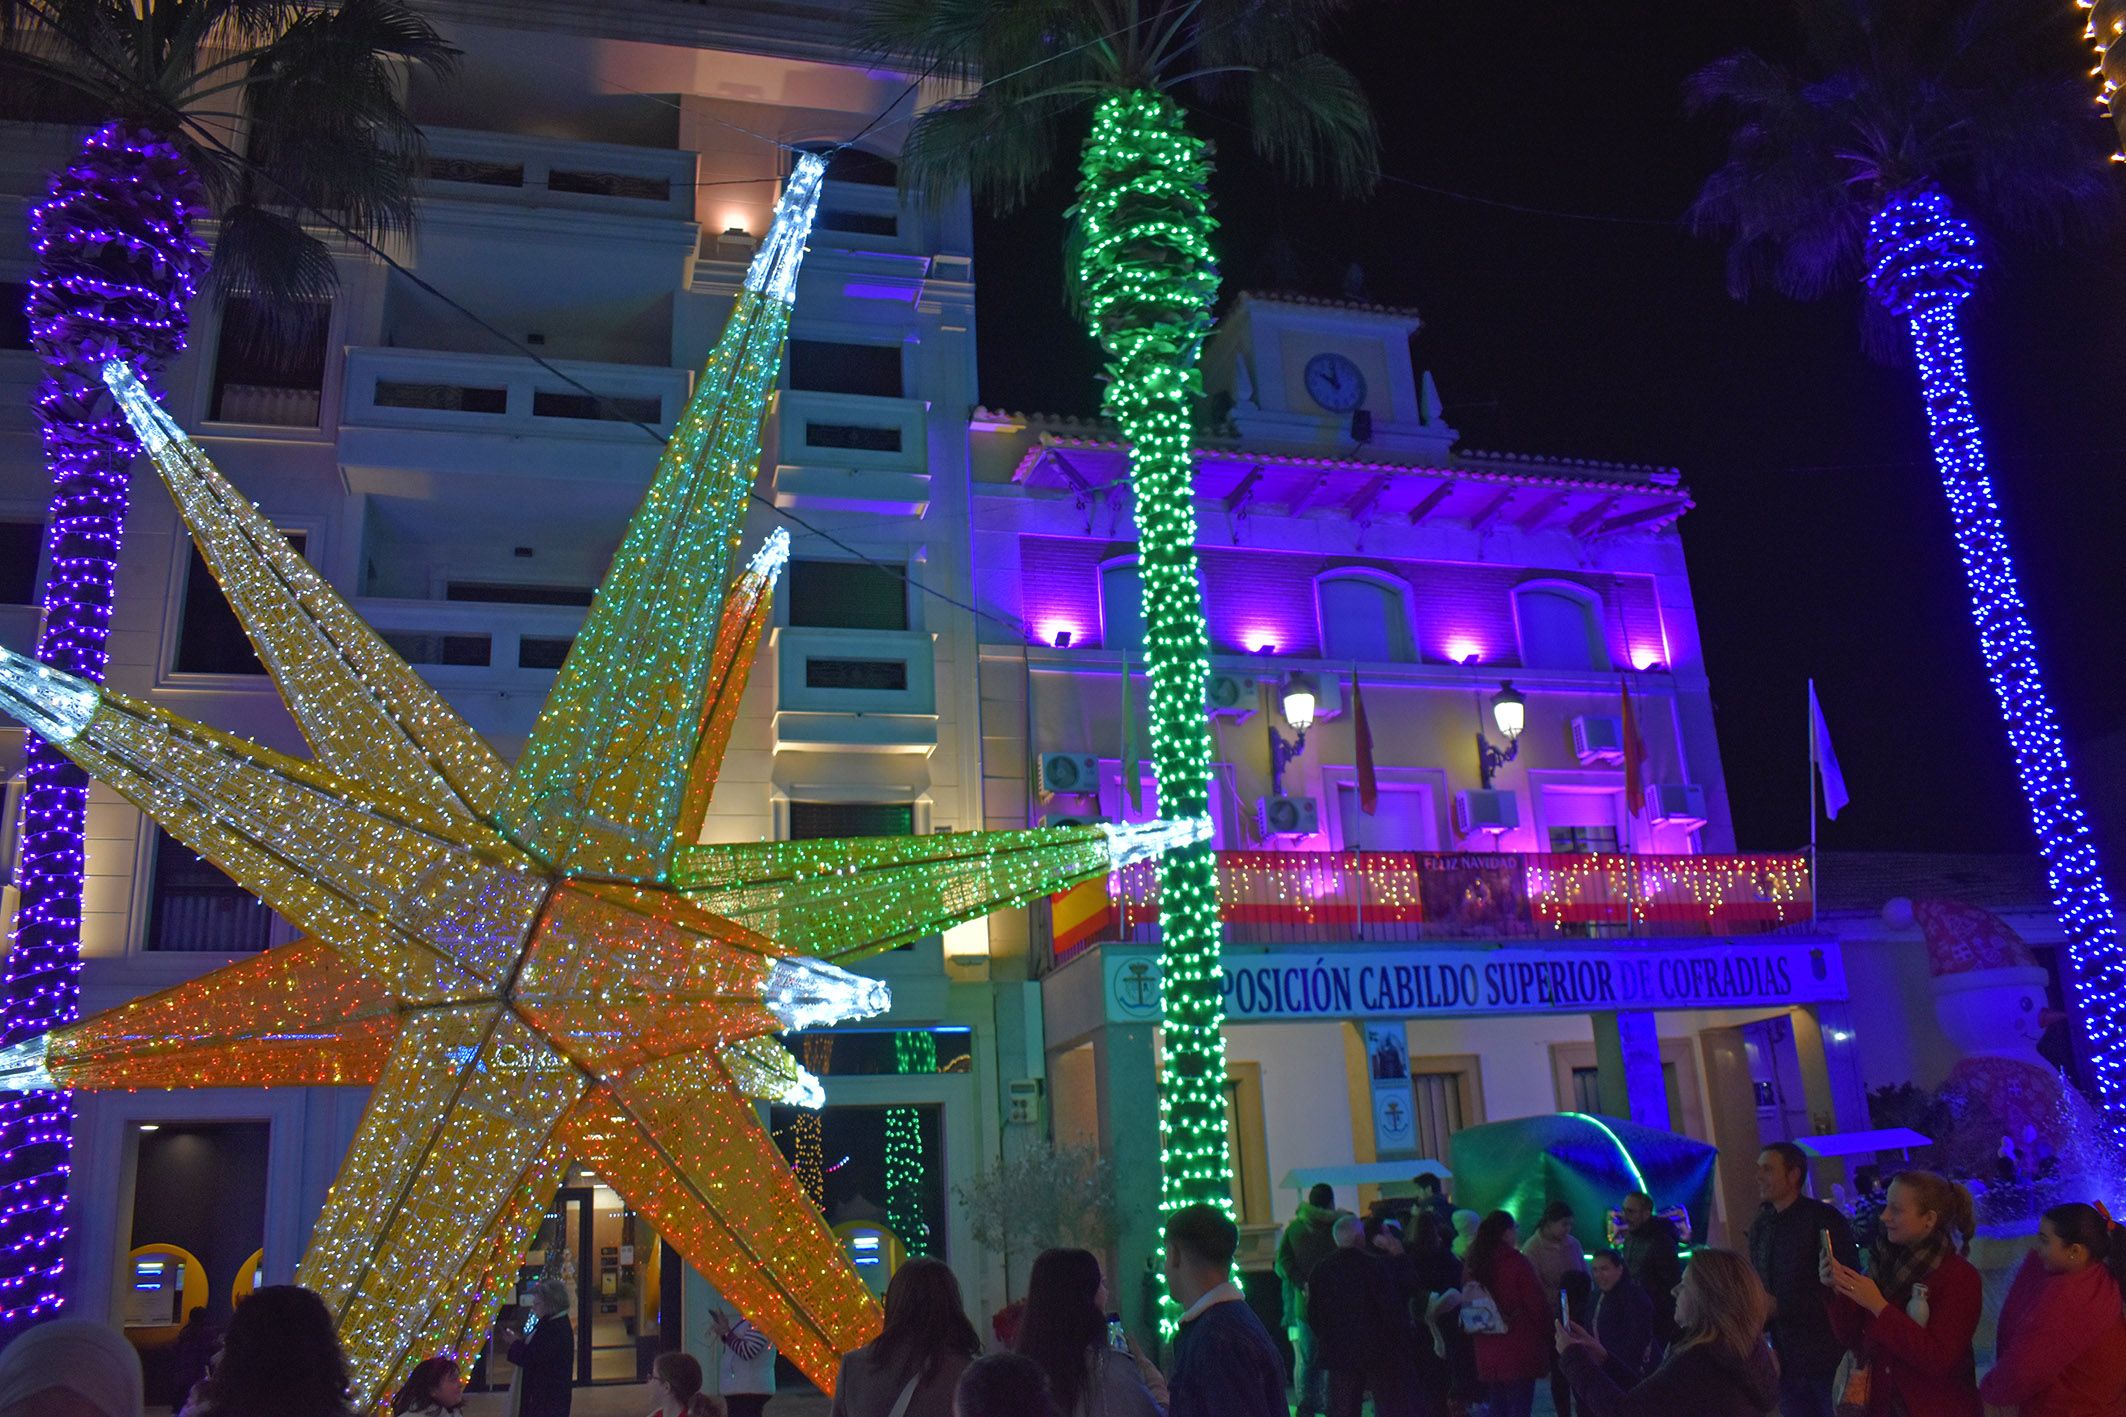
point(599, 178)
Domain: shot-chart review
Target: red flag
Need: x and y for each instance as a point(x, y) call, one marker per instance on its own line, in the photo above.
point(1368, 788)
point(1634, 756)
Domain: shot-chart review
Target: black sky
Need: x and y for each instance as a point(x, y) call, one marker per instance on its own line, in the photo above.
point(1820, 542)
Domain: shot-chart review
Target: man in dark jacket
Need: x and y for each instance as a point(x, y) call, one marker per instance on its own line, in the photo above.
point(1650, 1258)
point(1225, 1364)
point(1621, 1316)
point(1359, 1313)
point(1786, 1246)
point(1306, 1241)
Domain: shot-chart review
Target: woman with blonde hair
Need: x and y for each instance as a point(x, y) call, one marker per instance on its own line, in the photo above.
point(1719, 1365)
point(1911, 1319)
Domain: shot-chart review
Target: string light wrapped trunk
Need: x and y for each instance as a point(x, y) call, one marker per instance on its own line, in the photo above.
point(118, 263)
point(1923, 263)
point(1147, 280)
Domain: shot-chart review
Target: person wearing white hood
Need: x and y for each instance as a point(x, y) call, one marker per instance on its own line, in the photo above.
point(70, 1368)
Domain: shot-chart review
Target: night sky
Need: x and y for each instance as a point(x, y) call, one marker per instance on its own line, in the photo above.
point(1820, 543)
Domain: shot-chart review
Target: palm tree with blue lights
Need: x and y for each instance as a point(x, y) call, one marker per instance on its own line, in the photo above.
point(1910, 128)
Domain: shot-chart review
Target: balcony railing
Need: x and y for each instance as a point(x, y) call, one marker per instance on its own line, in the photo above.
point(1397, 897)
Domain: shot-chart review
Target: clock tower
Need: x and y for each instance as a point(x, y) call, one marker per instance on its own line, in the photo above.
point(1328, 377)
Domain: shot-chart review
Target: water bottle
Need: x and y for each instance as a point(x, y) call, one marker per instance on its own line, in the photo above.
point(1916, 1307)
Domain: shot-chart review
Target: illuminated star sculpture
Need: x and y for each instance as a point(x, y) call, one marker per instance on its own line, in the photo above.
point(534, 963)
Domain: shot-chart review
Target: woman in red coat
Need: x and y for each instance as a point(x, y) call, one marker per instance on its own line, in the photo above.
point(2062, 1340)
point(1912, 1322)
point(1509, 1364)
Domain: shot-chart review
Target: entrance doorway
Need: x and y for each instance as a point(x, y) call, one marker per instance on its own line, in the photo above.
point(619, 1273)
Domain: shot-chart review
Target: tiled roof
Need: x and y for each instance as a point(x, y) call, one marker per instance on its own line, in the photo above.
point(1864, 880)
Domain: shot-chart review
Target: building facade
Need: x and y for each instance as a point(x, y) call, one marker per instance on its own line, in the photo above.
point(1509, 929)
point(457, 447)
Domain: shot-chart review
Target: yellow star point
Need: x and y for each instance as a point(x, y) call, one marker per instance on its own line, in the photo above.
point(527, 963)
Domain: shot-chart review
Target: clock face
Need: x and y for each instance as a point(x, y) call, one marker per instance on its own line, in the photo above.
point(1335, 383)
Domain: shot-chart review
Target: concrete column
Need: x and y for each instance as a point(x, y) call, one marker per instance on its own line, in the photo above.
point(1628, 1072)
point(1127, 1075)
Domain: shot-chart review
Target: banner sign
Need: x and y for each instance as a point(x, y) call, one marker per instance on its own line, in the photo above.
point(1419, 983)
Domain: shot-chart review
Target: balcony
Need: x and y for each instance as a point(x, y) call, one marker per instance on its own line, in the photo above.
point(1397, 897)
point(478, 644)
point(858, 216)
point(430, 410)
point(852, 453)
point(862, 690)
point(511, 169)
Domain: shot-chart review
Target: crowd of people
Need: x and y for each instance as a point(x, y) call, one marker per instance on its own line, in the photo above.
point(1807, 1323)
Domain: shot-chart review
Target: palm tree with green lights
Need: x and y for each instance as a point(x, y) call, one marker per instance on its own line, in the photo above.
point(1910, 127)
point(1145, 280)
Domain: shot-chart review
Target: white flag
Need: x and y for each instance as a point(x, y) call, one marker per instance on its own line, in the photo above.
point(1825, 759)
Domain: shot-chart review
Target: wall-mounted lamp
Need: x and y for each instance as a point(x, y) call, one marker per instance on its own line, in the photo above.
point(1062, 639)
point(1297, 695)
point(1509, 710)
point(1471, 660)
point(1266, 647)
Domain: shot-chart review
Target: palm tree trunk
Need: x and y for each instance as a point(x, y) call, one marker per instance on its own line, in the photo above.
point(118, 262)
point(1147, 281)
point(1922, 264)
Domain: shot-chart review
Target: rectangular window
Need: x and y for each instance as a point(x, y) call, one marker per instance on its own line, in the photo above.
point(542, 651)
point(1402, 819)
point(210, 639)
point(859, 223)
point(473, 650)
point(602, 408)
point(611, 184)
point(830, 367)
point(847, 595)
point(856, 437)
point(21, 544)
point(1121, 606)
point(812, 821)
point(884, 674)
point(270, 368)
point(504, 593)
point(14, 314)
point(440, 398)
point(1583, 841)
point(466, 169)
point(194, 906)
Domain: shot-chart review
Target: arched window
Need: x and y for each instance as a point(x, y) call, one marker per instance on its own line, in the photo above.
point(1365, 618)
point(1121, 604)
point(1560, 628)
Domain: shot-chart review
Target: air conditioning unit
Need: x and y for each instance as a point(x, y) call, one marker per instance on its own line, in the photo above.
point(1597, 738)
point(1287, 816)
point(1486, 811)
point(1676, 804)
point(1071, 819)
point(1074, 773)
point(1230, 694)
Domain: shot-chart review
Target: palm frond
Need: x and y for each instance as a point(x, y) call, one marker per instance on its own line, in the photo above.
point(997, 146)
point(267, 256)
point(1309, 117)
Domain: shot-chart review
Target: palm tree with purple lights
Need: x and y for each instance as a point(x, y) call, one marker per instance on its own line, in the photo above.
point(265, 116)
point(1912, 126)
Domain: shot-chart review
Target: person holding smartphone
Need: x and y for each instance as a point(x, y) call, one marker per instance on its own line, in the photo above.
point(1555, 1252)
point(1787, 1242)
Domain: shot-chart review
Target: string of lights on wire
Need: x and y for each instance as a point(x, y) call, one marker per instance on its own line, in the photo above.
point(1147, 277)
point(118, 266)
point(1923, 263)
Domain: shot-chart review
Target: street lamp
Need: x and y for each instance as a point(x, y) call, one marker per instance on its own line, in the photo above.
point(1509, 710)
point(1298, 695)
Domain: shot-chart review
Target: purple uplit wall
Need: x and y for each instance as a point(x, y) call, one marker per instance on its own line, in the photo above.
point(1257, 597)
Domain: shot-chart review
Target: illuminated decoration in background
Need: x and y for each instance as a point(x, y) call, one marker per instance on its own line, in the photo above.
point(1322, 897)
point(914, 1051)
point(2107, 24)
point(1922, 264)
point(809, 1159)
point(508, 957)
point(1147, 279)
point(118, 263)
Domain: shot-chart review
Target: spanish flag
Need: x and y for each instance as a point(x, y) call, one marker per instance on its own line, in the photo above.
point(1079, 915)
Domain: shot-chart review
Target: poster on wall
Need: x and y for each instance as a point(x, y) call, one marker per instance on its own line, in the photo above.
point(1394, 1112)
point(1472, 897)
